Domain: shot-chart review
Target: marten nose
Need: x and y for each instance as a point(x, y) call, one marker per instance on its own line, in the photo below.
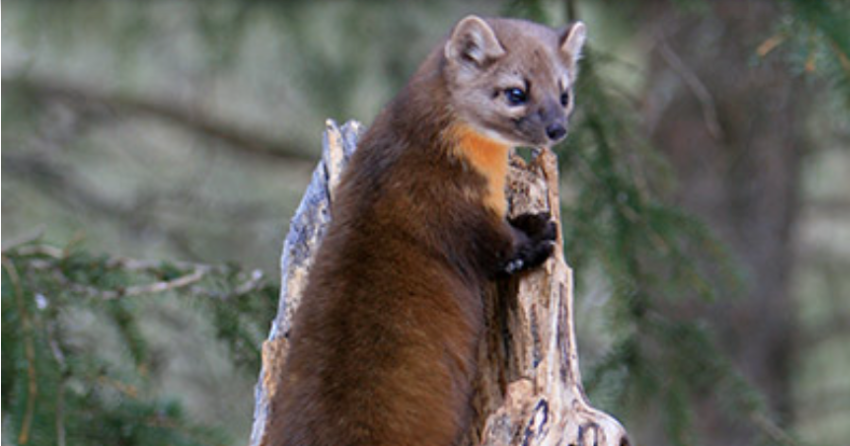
point(555, 131)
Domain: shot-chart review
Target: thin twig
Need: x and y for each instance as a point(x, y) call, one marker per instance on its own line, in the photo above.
point(196, 272)
point(155, 288)
point(126, 263)
point(136, 290)
point(251, 284)
point(111, 262)
point(773, 431)
point(770, 44)
point(127, 390)
point(697, 87)
point(29, 350)
point(842, 57)
point(28, 237)
point(46, 250)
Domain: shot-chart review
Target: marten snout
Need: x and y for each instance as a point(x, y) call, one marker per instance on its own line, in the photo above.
point(556, 132)
point(553, 121)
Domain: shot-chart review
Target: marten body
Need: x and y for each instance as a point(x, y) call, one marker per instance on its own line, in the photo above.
point(383, 346)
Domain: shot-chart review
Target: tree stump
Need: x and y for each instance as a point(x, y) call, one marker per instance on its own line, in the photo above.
point(528, 388)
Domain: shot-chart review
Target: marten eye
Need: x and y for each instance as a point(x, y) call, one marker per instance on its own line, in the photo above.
point(516, 96)
point(565, 98)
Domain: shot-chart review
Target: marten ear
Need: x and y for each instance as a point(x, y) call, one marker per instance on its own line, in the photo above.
point(473, 42)
point(571, 43)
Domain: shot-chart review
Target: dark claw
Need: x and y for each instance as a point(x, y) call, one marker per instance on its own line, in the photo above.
point(514, 266)
point(550, 232)
point(538, 227)
point(537, 235)
point(532, 224)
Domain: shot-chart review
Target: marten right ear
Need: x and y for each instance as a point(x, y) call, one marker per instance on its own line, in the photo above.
point(571, 44)
point(473, 42)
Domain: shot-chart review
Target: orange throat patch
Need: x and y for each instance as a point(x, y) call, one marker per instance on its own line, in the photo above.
point(490, 159)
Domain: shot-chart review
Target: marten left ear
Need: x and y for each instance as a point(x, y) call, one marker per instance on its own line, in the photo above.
point(572, 42)
point(474, 43)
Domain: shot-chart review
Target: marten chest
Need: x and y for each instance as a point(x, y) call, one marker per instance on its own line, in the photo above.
point(489, 158)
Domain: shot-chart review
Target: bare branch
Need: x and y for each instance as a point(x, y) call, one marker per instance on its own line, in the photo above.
point(774, 432)
point(136, 290)
point(192, 274)
point(697, 87)
point(140, 212)
point(158, 287)
point(236, 137)
point(28, 237)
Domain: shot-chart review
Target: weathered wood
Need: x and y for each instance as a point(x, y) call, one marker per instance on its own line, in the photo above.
point(306, 230)
point(528, 388)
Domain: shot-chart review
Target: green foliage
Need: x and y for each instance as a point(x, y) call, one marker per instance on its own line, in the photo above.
point(59, 387)
point(655, 257)
point(818, 40)
point(530, 9)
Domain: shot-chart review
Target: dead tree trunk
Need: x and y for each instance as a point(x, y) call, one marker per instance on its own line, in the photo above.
point(528, 388)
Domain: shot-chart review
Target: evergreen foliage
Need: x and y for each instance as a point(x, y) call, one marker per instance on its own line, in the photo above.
point(819, 38)
point(77, 364)
point(653, 255)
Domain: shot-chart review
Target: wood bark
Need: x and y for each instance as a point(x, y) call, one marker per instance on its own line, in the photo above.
point(528, 389)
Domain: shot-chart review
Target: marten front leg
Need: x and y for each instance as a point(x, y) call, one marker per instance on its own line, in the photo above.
point(534, 240)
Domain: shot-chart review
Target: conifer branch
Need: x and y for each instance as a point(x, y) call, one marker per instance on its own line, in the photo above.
point(843, 59)
point(59, 356)
point(29, 350)
point(193, 273)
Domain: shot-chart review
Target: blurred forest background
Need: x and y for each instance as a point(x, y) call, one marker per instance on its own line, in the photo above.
point(153, 153)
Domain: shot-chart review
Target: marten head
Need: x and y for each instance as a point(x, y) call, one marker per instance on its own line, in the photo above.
point(512, 80)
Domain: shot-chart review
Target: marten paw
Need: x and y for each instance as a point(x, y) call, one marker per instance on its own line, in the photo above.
point(536, 235)
point(528, 257)
point(537, 227)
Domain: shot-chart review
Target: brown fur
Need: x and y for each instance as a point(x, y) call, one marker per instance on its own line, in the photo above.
point(383, 345)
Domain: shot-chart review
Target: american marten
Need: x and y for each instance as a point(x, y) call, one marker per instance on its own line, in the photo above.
point(383, 346)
